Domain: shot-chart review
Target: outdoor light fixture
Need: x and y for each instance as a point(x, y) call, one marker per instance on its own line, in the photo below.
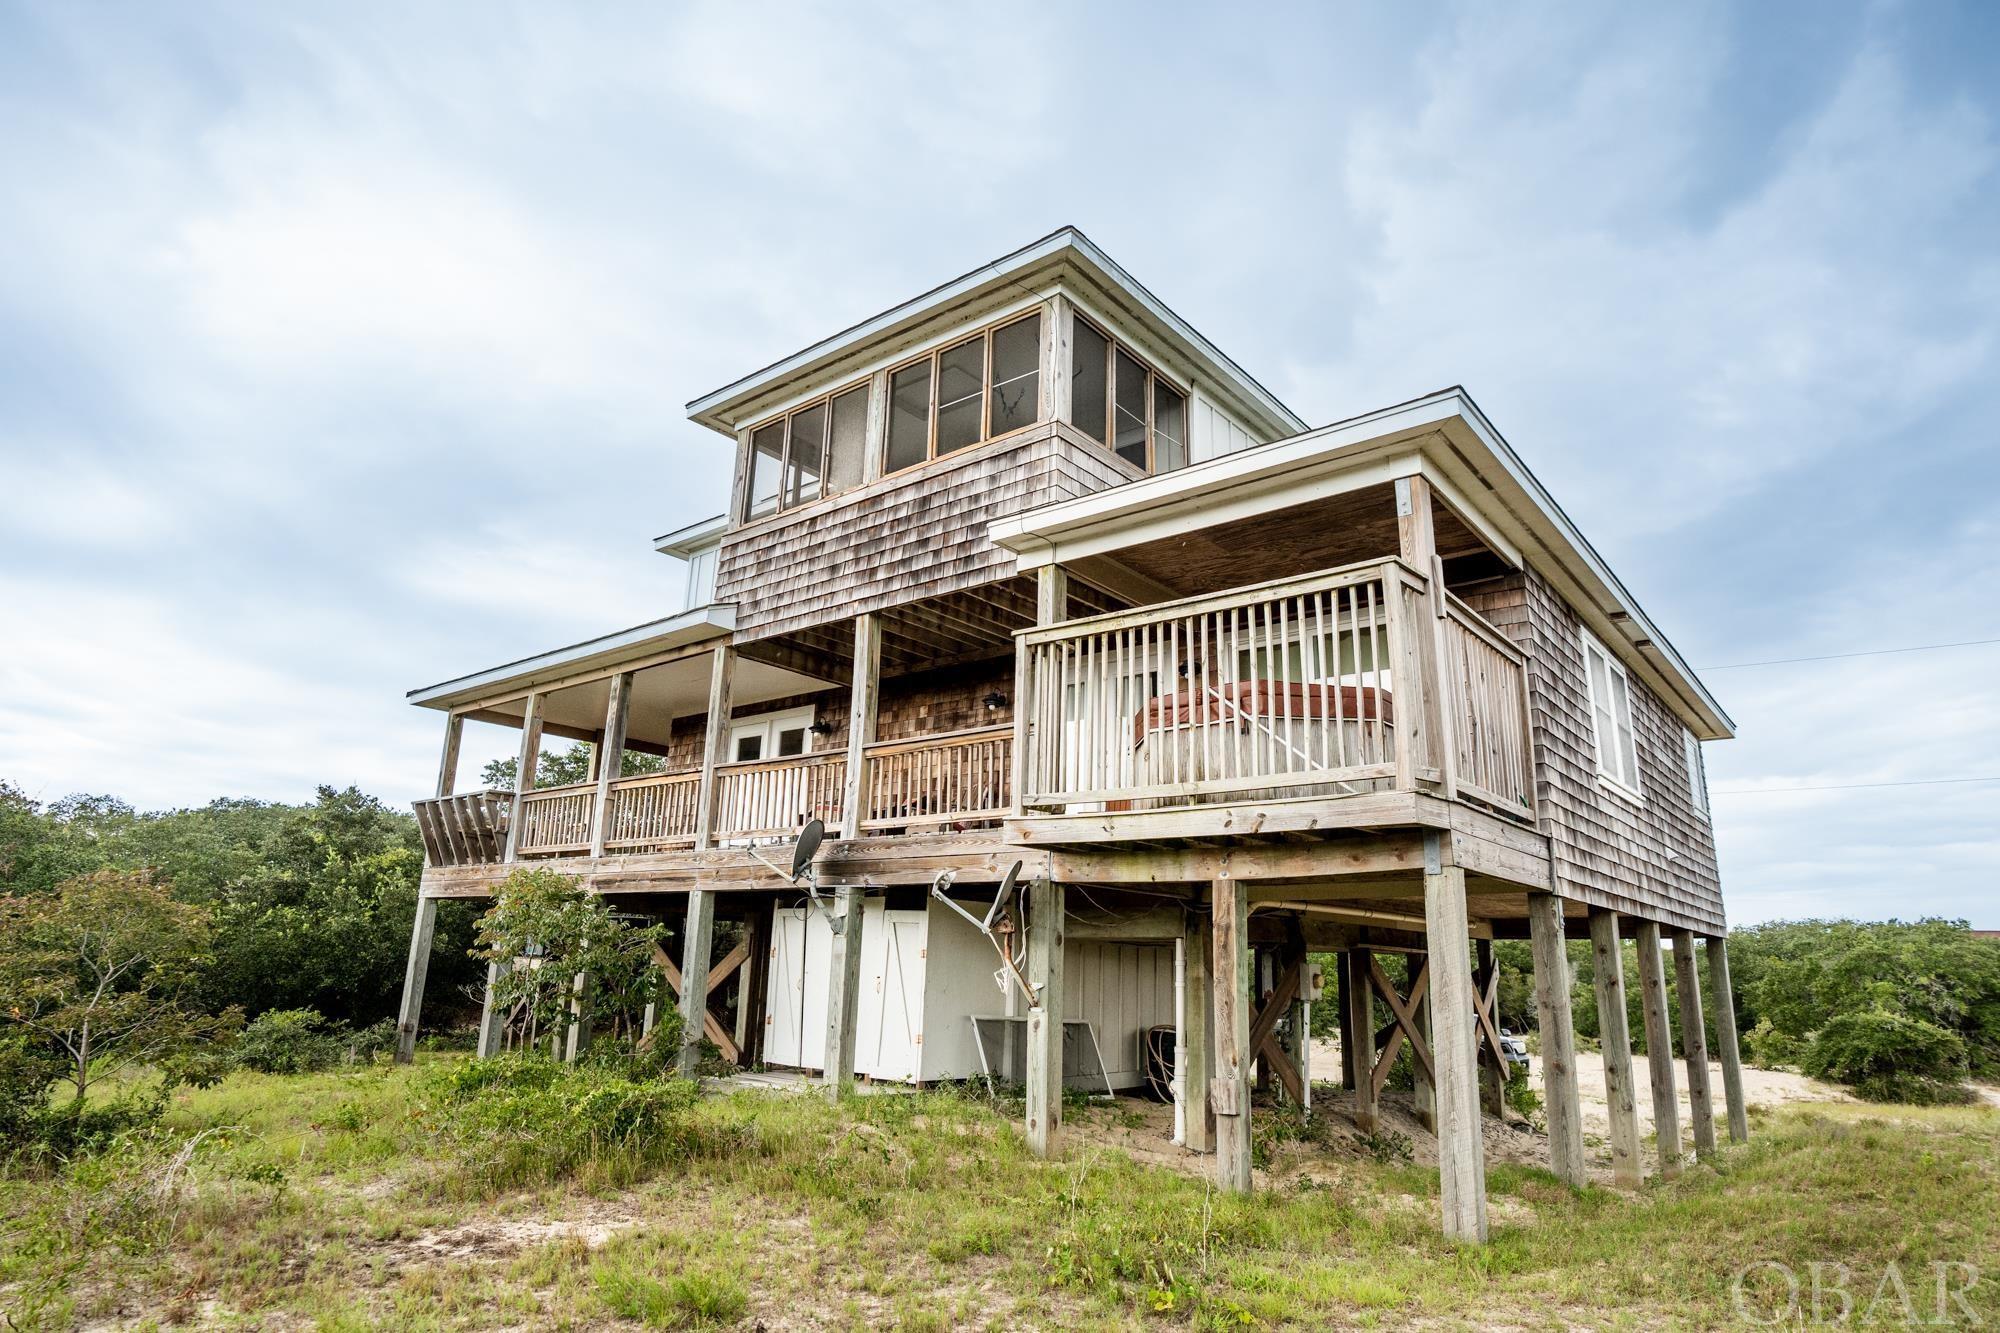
point(994, 701)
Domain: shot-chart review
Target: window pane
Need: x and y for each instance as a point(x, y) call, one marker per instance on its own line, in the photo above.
point(909, 416)
point(850, 440)
point(1169, 429)
point(1017, 376)
point(792, 740)
point(767, 454)
point(1129, 411)
point(961, 381)
point(1089, 355)
point(806, 456)
point(750, 747)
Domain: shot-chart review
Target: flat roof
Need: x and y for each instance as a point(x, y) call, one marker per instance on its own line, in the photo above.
point(1443, 434)
point(684, 542)
point(1064, 248)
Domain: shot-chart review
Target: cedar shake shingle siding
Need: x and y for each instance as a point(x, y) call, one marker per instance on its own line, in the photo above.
point(1653, 857)
point(897, 541)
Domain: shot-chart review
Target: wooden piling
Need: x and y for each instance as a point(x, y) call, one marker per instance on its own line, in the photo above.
point(1229, 1092)
point(1461, 1139)
point(1694, 1043)
point(1724, 1000)
point(1558, 1039)
point(1659, 1048)
point(1047, 926)
point(1615, 1036)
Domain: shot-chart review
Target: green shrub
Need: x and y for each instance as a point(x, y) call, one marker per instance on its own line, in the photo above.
point(523, 1117)
point(1886, 1057)
point(291, 1041)
point(1768, 1048)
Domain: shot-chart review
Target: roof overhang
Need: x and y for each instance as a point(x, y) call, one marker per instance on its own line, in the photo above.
point(1444, 437)
point(694, 630)
point(1062, 258)
point(693, 539)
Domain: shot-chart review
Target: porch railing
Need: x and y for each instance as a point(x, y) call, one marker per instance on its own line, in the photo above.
point(465, 830)
point(1486, 695)
point(935, 780)
point(658, 810)
point(1322, 685)
point(556, 820)
point(775, 797)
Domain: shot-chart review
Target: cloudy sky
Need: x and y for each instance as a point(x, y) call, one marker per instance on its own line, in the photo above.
point(343, 348)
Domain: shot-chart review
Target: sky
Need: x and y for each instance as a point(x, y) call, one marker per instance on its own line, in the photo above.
point(345, 348)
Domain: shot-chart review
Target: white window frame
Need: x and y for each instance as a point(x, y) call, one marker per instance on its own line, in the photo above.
point(1610, 755)
point(768, 726)
point(1697, 766)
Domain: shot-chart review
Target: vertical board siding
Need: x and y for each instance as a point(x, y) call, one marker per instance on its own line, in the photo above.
point(1609, 850)
point(1120, 990)
point(904, 538)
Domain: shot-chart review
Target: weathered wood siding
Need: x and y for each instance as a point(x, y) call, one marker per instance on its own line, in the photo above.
point(1653, 857)
point(904, 538)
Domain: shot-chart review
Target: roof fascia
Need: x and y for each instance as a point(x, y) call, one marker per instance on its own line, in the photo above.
point(1033, 270)
point(698, 625)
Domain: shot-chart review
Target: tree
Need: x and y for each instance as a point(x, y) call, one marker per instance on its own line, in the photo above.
point(548, 919)
point(102, 972)
point(559, 768)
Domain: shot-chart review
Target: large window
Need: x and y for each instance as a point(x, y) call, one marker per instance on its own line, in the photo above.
point(816, 450)
point(1125, 405)
point(974, 390)
point(1611, 716)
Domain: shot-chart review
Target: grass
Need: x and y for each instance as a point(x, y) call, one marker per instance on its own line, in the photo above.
point(338, 1201)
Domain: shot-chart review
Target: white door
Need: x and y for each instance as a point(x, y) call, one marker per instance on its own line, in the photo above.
point(889, 1037)
point(795, 1003)
point(771, 736)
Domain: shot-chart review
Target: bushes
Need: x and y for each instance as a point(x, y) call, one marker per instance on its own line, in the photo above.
point(1886, 1057)
point(525, 1118)
point(291, 1041)
point(305, 1041)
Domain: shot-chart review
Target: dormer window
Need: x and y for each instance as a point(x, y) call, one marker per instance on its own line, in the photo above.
point(816, 450)
point(1124, 404)
point(975, 390)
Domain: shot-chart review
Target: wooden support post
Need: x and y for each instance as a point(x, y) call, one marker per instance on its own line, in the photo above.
point(756, 985)
point(492, 1022)
point(1614, 1034)
point(1694, 1043)
point(1229, 1092)
point(525, 762)
point(697, 942)
point(1492, 1066)
point(1343, 1009)
point(1051, 595)
point(1461, 1139)
point(843, 998)
point(577, 1037)
point(414, 972)
point(861, 720)
point(1423, 1095)
point(1047, 927)
point(1296, 1036)
point(715, 746)
point(1197, 1119)
point(1416, 542)
point(454, 732)
point(1724, 1000)
point(1361, 1022)
point(1659, 1048)
point(610, 757)
point(1558, 1036)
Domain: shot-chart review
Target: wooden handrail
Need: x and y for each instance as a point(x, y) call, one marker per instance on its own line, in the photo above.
point(1341, 576)
point(1480, 625)
point(964, 736)
point(655, 779)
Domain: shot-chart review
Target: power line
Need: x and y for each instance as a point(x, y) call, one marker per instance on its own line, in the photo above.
point(1850, 786)
point(1873, 652)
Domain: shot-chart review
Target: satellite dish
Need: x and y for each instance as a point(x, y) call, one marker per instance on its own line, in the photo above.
point(1002, 898)
point(810, 838)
